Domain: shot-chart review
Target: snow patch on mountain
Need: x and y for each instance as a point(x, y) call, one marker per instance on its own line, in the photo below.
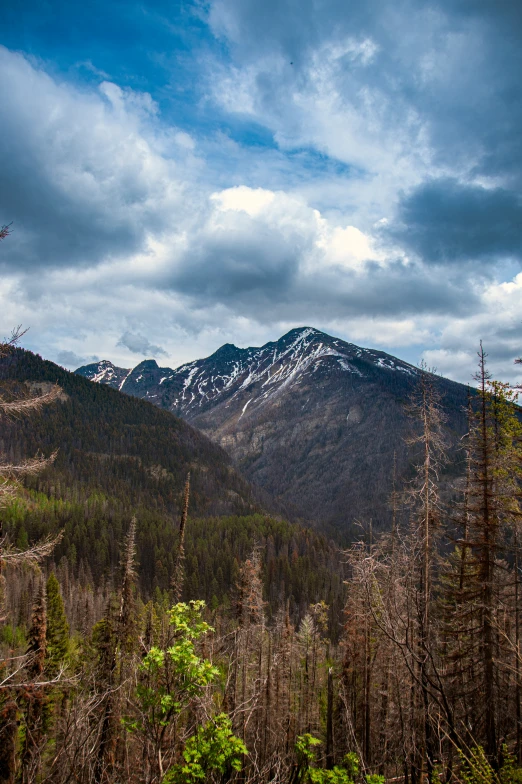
point(231, 372)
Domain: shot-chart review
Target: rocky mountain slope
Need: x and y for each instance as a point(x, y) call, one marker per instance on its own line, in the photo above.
point(312, 419)
point(119, 457)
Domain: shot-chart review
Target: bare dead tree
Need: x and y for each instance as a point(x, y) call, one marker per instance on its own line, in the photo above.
point(179, 570)
point(119, 645)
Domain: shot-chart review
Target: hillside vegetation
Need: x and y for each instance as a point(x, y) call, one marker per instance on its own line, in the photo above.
point(114, 668)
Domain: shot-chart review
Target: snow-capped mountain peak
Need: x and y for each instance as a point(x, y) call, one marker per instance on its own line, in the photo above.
point(231, 373)
point(104, 372)
point(311, 418)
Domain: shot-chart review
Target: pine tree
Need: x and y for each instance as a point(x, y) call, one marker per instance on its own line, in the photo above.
point(57, 635)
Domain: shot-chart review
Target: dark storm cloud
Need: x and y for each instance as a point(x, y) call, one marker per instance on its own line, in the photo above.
point(394, 291)
point(74, 182)
point(400, 290)
point(249, 259)
point(49, 228)
point(139, 344)
point(444, 222)
point(265, 283)
point(387, 294)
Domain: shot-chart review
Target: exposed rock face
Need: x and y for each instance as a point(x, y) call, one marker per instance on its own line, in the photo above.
point(104, 372)
point(312, 419)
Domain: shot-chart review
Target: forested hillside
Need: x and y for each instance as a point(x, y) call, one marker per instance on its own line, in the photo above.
point(115, 668)
point(108, 442)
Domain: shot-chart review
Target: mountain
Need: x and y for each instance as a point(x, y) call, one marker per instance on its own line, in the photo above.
point(105, 372)
point(315, 421)
point(119, 457)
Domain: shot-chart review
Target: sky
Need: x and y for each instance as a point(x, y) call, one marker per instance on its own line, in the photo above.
point(179, 175)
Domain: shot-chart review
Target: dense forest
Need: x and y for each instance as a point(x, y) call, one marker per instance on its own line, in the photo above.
point(149, 635)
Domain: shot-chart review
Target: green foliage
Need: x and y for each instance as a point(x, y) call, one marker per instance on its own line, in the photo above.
point(306, 746)
point(351, 763)
point(374, 778)
point(509, 773)
point(171, 678)
point(213, 749)
point(476, 768)
point(12, 636)
point(335, 776)
point(305, 749)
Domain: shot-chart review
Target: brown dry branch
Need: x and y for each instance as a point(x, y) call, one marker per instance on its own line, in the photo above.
point(29, 467)
point(12, 556)
point(12, 341)
point(8, 492)
point(29, 405)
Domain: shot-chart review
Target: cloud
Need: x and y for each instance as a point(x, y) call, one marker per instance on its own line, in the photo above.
point(268, 256)
point(444, 72)
point(419, 98)
point(82, 177)
point(71, 359)
point(497, 322)
point(445, 222)
point(139, 344)
point(372, 188)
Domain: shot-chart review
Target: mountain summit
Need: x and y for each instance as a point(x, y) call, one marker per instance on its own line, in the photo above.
point(232, 372)
point(313, 419)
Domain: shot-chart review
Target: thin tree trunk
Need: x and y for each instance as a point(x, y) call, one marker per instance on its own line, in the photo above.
point(329, 722)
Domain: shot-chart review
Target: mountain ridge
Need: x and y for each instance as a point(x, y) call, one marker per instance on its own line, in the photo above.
point(314, 420)
point(100, 426)
point(169, 378)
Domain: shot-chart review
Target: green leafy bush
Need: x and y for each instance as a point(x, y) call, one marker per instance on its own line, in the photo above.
point(213, 749)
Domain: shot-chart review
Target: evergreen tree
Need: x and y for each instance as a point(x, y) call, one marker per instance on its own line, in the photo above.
point(57, 635)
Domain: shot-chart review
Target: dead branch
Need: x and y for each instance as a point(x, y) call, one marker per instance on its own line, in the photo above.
point(11, 556)
point(29, 467)
point(29, 404)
